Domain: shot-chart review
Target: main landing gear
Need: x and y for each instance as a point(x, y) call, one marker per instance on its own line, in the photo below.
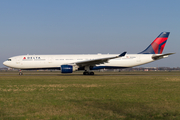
point(20, 72)
point(88, 73)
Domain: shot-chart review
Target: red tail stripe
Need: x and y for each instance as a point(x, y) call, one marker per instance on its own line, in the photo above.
point(160, 40)
point(162, 47)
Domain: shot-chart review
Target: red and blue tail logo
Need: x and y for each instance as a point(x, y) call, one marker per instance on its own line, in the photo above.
point(157, 46)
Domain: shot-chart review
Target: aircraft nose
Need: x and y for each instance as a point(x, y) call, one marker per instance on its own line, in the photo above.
point(5, 63)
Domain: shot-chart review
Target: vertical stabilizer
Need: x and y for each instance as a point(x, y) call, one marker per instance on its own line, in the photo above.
point(157, 46)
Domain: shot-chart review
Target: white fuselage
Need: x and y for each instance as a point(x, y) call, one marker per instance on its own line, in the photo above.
point(55, 61)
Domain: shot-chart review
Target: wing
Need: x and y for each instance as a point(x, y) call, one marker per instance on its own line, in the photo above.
point(156, 57)
point(98, 61)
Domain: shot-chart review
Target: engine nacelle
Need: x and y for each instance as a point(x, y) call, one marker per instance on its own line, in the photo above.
point(68, 68)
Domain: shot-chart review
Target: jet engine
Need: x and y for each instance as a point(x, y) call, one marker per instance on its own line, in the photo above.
point(68, 68)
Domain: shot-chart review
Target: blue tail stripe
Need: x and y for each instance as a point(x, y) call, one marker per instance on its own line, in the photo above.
point(164, 35)
point(160, 46)
point(148, 50)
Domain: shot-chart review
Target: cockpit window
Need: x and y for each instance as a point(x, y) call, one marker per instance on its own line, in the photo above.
point(8, 59)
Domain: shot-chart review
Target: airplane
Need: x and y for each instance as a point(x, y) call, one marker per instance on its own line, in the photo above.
point(89, 62)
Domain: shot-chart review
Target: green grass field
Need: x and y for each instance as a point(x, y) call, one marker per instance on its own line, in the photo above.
point(104, 96)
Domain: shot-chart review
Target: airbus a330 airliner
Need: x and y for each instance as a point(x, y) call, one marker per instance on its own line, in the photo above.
point(71, 63)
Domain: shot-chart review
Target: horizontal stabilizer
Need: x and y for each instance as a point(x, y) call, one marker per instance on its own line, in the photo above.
point(156, 57)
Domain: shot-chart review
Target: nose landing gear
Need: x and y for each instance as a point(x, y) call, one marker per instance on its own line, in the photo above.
point(20, 72)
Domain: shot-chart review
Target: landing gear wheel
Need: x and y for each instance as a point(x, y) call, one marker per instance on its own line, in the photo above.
point(20, 73)
point(91, 73)
point(88, 73)
point(85, 73)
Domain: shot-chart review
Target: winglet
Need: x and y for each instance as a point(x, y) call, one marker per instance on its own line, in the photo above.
point(122, 54)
